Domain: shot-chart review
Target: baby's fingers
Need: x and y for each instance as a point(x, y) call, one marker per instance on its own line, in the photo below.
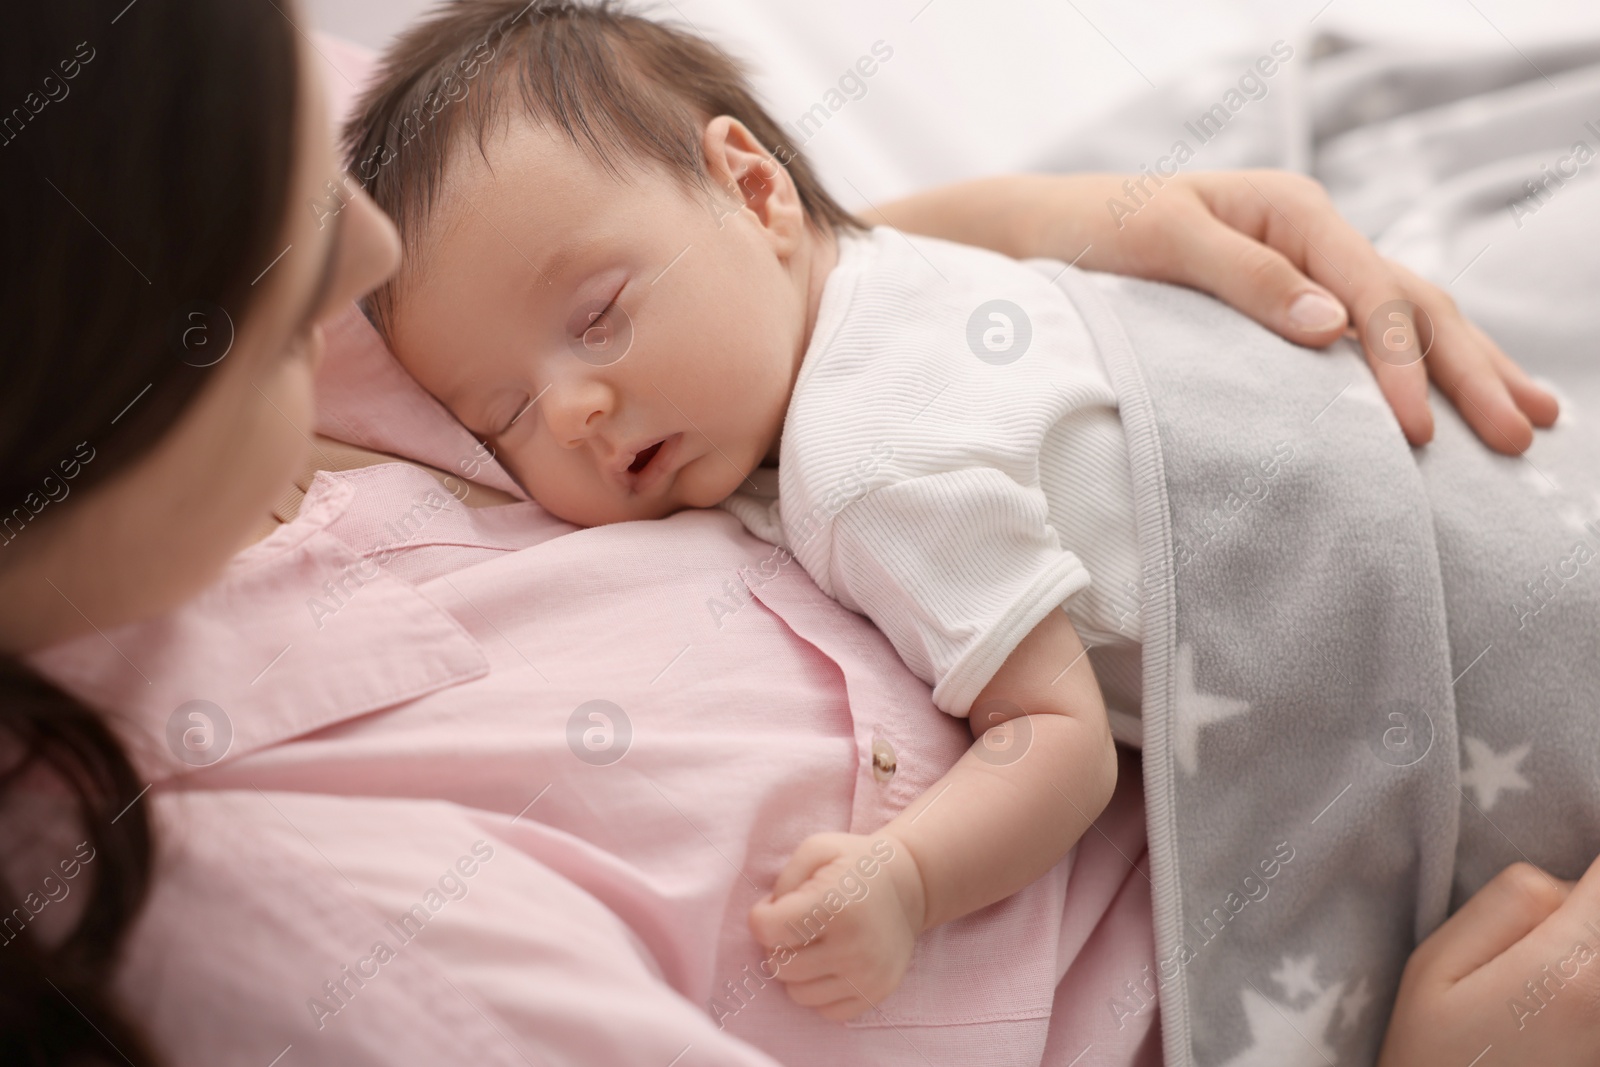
point(835, 998)
point(842, 1011)
point(809, 964)
point(766, 925)
point(815, 851)
point(794, 919)
point(821, 992)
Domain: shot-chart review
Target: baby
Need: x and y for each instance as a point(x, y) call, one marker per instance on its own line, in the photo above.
point(624, 279)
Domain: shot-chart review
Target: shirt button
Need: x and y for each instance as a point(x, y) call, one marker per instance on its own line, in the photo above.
point(883, 760)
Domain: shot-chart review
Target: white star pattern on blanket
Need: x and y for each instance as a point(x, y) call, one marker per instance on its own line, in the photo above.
point(1541, 482)
point(1285, 1036)
point(1575, 517)
point(1296, 976)
point(1354, 1003)
point(1193, 709)
point(1492, 771)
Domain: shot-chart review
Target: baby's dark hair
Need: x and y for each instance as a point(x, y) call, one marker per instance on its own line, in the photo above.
point(621, 87)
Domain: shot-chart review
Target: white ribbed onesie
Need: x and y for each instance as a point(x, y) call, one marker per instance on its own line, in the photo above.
point(952, 465)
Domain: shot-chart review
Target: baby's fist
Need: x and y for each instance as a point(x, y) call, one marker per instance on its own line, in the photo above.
point(841, 921)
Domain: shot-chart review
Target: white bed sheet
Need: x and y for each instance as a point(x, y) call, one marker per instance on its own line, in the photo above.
point(980, 87)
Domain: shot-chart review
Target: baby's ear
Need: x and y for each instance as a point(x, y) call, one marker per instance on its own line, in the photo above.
point(749, 177)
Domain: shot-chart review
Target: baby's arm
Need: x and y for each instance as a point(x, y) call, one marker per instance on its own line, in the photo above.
point(1006, 813)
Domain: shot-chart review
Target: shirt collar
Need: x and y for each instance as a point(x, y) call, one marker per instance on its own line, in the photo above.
point(301, 632)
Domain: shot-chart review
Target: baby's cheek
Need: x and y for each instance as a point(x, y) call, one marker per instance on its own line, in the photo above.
point(700, 485)
point(525, 467)
point(561, 483)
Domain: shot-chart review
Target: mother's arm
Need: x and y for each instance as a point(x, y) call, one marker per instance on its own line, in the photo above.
point(1267, 242)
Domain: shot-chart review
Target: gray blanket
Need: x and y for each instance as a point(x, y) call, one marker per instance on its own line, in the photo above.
point(1369, 675)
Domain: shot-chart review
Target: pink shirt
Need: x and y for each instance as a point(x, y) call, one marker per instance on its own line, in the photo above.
point(400, 856)
point(394, 832)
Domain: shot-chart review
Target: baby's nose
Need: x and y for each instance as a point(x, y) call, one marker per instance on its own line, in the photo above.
point(577, 411)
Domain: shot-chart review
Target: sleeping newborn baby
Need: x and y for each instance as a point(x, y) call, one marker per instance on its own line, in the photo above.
point(624, 280)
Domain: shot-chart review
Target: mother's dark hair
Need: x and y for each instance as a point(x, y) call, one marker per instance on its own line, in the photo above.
point(145, 167)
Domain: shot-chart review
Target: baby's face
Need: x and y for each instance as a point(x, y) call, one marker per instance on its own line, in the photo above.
point(627, 347)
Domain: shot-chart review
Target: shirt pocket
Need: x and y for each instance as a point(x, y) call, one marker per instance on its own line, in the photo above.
point(996, 966)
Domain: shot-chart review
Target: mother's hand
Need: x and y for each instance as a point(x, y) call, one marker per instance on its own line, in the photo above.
point(1271, 244)
point(1459, 997)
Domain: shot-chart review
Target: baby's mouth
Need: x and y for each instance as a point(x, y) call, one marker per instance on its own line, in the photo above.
point(649, 467)
point(643, 459)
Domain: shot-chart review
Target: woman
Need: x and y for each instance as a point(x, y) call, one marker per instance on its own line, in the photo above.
point(178, 396)
point(115, 293)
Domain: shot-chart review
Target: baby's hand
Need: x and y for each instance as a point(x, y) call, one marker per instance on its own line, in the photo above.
point(841, 921)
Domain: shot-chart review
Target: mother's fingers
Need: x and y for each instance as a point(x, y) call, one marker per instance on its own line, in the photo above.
point(1293, 215)
point(1405, 386)
point(1495, 919)
point(1209, 254)
point(1574, 919)
point(1461, 366)
point(1537, 403)
point(1496, 398)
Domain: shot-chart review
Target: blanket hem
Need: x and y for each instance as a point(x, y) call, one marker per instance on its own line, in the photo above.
point(1153, 518)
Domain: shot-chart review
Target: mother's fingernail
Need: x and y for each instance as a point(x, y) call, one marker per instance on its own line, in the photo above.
point(1316, 311)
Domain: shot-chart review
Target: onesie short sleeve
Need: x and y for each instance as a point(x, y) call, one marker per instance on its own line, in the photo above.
point(956, 568)
point(952, 492)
